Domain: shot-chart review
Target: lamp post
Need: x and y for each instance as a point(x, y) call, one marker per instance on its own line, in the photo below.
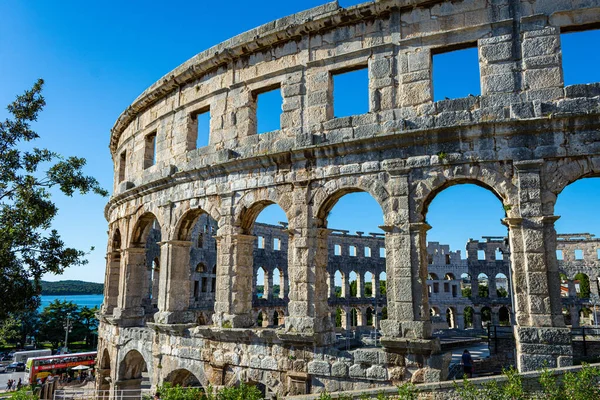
point(68, 327)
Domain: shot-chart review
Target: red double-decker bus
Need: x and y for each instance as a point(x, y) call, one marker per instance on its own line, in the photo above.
point(41, 367)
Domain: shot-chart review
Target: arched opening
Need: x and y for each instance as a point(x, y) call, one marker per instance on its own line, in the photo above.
point(451, 317)
point(353, 284)
point(382, 284)
point(277, 280)
point(503, 316)
point(260, 283)
point(154, 282)
point(340, 318)
point(483, 286)
point(486, 316)
point(582, 285)
point(268, 223)
point(468, 316)
point(104, 375)
point(199, 229)
point(465, 285)
point(260, 320)
point(501, 285)
point(370, 316)
point(339, 284)
point(182, 377)
point(133, 373)
point(113, 273)
point(354, 317)
point(369, 280)
point(449, 276)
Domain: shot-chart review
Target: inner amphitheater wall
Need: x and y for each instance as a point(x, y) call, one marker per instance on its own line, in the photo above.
point(524, 138)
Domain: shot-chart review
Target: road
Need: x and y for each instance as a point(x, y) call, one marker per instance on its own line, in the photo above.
point(4, 377)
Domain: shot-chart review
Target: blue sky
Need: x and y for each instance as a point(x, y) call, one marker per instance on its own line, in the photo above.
point(97, 57)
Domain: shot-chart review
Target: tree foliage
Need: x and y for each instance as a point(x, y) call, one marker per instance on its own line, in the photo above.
point(54, 317)
point(29, 247)
point(584, 285)
point(68, 288)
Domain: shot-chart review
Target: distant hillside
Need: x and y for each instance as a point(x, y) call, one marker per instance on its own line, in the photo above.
point(66, 288)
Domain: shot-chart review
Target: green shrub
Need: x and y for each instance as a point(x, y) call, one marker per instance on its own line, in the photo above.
point(407, 391)
point(324, 396)
point(242, 392)
point(550, 386)
point(24, 394)
point(582, 385)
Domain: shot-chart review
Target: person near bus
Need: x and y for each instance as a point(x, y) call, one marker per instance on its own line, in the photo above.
point(467, 362)
point(19, 384)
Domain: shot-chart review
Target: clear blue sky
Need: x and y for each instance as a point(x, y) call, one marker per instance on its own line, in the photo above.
point(97, 57)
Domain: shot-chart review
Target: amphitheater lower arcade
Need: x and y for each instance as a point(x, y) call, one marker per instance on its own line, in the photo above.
point(183, 301)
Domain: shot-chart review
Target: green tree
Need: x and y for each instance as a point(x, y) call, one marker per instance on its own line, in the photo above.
point(501, 292)
point(584, 285)
point(353, 289)
point(53, 320)
point(29, 247)
point(382, 288)
point(466, 292)
point(483, 290)
point(88, 320)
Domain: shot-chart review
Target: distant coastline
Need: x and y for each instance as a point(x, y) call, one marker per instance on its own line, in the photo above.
point(71, 288)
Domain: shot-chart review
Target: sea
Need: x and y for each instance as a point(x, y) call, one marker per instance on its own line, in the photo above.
point(89, 300)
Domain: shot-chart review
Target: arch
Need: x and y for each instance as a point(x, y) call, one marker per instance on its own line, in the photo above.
point(562, 172)
point(252, 203)
point(277, 288)
point(451, 317)
point(116, 240)
point(353, 284)
point(104, 374)
point(132, 367)
point(502, 287)
point(186, 217)
point(184, 378)
point(141, 230)
point(483, 285)
point(495, 178)
point(201, 267)
point(369, 284)
point(383, 284)
point(432, 276)
point(486, 315)
point(468, 313)
point(260, 287)
point(339, 279)
point(326, 196)
point(449, 276)
point(434, 311)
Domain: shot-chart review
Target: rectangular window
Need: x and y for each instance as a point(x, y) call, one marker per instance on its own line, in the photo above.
point(201, 125)
point(455, 72)
point(446, 287)
point(150, 150)
point(579, 64)
point(351, 92)
point(269, 105)
point(276, 244)
point(352, 251)
point(214, 285)
point(499, 255)
point(382, 252)
point(447, 259)
point(204, 285)
point(261, 242)
point(481, 254)
point(122, 164)
point(368, 251)
point(436, 287)
point(337, 250)
point(579, 254)
point(454, 291)
point(559, 255)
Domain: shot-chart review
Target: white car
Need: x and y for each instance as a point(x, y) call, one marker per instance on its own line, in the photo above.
point(2, 368)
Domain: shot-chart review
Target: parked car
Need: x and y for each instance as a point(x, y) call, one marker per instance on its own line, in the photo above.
point(15, 367)
point(2, 368)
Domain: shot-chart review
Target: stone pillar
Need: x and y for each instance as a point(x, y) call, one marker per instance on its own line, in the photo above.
point(495, 317)
point(540, 332)
point(233, 297)
point(492, 288)
point(574, 310)
point(268, 285)
point(474, 287)
point(572, 290)
point(332, 286)
point(130, 311)
point(460, 321)
point(360, 285)
point(111, 289)
point(375, 288)
point(174, 283)
point(477, 324)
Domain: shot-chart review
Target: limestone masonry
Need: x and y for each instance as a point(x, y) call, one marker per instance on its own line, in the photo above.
point(182, 303)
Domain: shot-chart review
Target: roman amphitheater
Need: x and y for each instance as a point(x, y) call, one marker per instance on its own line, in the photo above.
point(182, 303)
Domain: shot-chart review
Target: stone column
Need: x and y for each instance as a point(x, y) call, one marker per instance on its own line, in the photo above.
point(174, 283)
point(474, 287)
point(540, 332)
point(360, 285)
point(495, 317)
point(130, 311)
point(111, 289)
point(332, 286)
point(268, 285)
point(574, 310)
point(572, 290)
point(233, 297)
point(477, 324)
point(346, 285)
point(492, 288)
point(375, 289)
point(460, 321)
